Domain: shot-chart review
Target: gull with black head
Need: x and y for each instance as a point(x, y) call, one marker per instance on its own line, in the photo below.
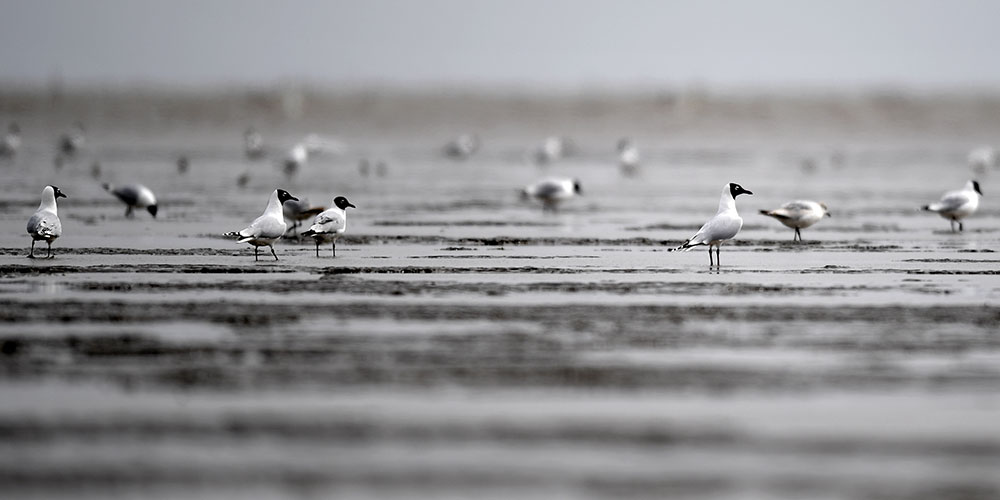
point(723, 226)
point(44, 224)
point(330, 224)
point(134, 196)
point(267, 228)
point(957, 205)
point(552, 191)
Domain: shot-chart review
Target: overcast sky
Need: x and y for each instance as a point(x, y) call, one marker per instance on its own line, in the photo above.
point(521, 43)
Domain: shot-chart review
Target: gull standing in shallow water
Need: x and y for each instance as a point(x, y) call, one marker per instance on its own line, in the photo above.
point(330, 224)
point(11, 141)
point(267, 228)
point(724, 226)
point(552, 191)
point(957, 205)
point(134, 196)
point(799, 214)
point(44, 224)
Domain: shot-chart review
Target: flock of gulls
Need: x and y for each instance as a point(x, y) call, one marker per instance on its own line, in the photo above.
point(285, 212)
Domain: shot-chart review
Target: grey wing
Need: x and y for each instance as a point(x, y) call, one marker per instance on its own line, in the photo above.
point(45, 224)
point(327, 222)
point(953, 201)
point(127, 194)
point(265, 227)
point(547, 189)
point(719, 228)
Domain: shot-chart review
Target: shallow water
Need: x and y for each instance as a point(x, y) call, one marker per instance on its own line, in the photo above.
point(464, 343)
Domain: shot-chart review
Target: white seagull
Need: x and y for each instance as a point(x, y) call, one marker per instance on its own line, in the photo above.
point(267, 228)
point(11, 142)
point(462, 146)
point(330, 224)
point(299, 154)
point(44, 224)
point(134, 196)
point(71, 141)
point(628, 156)
point(724, 226)
point(799, 214)
point(983, 158)
point(957, 205)
point(253, 144)
point(551, 192)
point(551, 149)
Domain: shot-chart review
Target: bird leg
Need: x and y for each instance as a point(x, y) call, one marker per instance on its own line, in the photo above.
point(48, 253)
point(317, 248)
point(710, 261)
point(798, 235)
point(31, 253)
point(334, 248)
point(255, 250)
point(960, 227)
point(718, 258)
point(128, 211)
point(272, 252)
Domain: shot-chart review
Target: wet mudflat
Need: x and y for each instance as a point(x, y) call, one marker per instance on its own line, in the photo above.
point(463, 343)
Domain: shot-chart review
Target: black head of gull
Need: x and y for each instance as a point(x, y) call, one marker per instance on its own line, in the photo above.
point(576, 187)
point(152, 210)
point(283, 196)
point(736, 190)
point(57, 192)
point(342, 203)
point(975, 187)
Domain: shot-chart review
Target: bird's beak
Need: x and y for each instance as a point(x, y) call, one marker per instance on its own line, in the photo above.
point(747, 192)
point(828, 214)
point(293, 198)
point(61, 195)
point(351, 205)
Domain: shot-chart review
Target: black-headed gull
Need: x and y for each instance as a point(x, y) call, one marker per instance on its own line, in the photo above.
point(552, 191)
point(267, 228)
point(462, 146)
point(330, 224)
point(299, 154)
point(44, 223)
point(253, 144)
point(723, 226)
point(71, 141)
point(957, 205)
point(628, 156)
point(11, 141)
point(134, 196)
point(799, 214)
point(983, 158)
point(296, 211)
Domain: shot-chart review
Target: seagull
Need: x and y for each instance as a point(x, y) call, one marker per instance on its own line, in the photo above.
point(628, 156)
point(267, 228)
point(957, 205)
point(71, 141)
point(134, 196)
point(462, 146)
point(296, 211)
point(330, 224)
point(724, 226)
point(44, 224)
point(11, 141)
point(183, 163)
point(552, 191)
point(551, 149)
point(253, 144)
point(299, 154)
point(982, 158)
point(799, 214)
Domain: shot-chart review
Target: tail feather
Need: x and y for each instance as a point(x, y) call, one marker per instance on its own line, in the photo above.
point(685, 246)
point(309, 233)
